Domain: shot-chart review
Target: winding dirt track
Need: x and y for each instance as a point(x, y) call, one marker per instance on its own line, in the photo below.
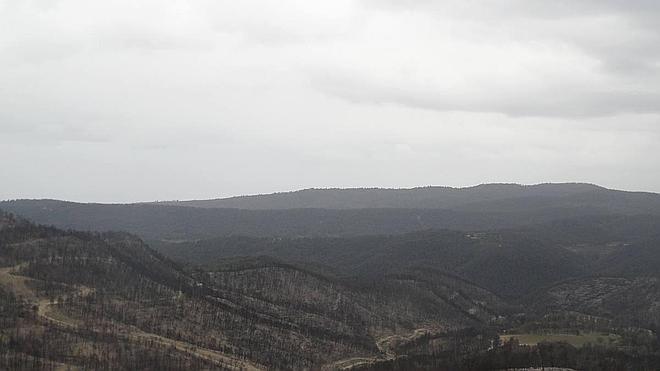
point(18, 286)
point(386, 347)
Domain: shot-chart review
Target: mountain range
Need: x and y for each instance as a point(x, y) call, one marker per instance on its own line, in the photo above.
point(350, 212)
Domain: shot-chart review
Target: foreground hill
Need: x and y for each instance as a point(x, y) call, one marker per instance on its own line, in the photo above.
point(346, 212)
point(587, 280)
point(424, 300)
point(107, 301)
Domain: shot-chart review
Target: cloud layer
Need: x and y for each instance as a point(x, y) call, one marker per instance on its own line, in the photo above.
point(124, 100)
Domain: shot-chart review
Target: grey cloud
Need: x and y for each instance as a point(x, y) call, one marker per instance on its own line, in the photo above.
point(521, 8)
point(628, 52)
point(569, 101)
point(616, 41)
point(128, 37)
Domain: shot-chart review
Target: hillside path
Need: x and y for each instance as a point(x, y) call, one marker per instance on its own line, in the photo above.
point(18, 286)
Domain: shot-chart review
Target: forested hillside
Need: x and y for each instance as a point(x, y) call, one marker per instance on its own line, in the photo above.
point(439, 301)
point(109, 301)
point(186, 223)
point(495, 261)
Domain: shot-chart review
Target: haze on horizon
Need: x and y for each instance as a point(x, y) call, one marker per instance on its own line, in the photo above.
point(158, 100)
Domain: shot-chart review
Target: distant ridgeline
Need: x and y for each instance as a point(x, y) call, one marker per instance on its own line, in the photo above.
point(349, 212)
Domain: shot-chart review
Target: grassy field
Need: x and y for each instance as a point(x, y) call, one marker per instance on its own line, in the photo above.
point(575, 340)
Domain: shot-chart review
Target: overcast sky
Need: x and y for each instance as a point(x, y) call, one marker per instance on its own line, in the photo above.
point(126, 100)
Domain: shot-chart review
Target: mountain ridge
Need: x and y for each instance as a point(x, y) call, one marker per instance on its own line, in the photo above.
point(347, 212)
point(313, 197)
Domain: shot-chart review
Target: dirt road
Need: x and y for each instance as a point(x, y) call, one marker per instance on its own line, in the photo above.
point(18, 286)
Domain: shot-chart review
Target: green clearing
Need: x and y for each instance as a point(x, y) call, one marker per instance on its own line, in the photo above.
point(575, 340)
